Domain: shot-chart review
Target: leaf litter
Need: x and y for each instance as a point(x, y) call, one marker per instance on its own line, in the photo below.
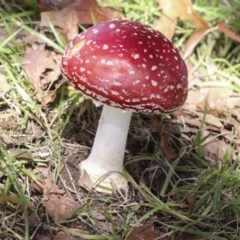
point(59, 206)
point(87, 11)
point(42, 69)
point(204, 114)
point(68, 24)
point(183, 10)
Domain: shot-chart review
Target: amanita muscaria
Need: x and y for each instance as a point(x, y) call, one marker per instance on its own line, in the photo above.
point(128, 67)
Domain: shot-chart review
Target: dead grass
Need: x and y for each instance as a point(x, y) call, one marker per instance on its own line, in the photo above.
point(183, 169)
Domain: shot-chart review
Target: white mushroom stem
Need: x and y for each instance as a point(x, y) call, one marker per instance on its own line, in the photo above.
point(108, 150)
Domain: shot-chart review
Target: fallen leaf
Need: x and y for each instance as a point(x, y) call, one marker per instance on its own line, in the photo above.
point(47, 98)
point(191, 203)
point(85, 182)
point(166, 24)
point(42, 170)
point(236, 114)
point(59, 206)
point(233, 102)
point(216, 101)
point(145, 232)
point(105, 226)
point(194, 122)
point(88, 11)
point(6, 138)
point(66, 19)
point(210, 120)
point(21, 154)
point(182, 9)
point(37, 60)
point(166, 146)
point(111, 12)
point(214, 149)
point(98, 215)
point(196, 37)
point(42, 69)
point(5, 198)
point(9, 123)
point(218, 137)
point(213, 100)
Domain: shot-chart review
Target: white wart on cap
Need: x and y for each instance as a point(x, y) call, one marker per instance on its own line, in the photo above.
point(127, 65)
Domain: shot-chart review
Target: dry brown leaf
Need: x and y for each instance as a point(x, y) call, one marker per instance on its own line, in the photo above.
point(59, 206)
point(7, 139)
point(5, 198)
point(66, 20)
point(104, 226)
point(112, 12)
point(166, 146)
point(232, 102)
point(145, 232)
point(98, 215)
point(9, 123)
point(236, 114)
point(219, 138)
point(88, 11)
point(37, 60)
point(210, 120)
point(191, 203)
point(42, 170)
point(229, 136)
point(195, 119)
point(182, 9)
point(196, 37)
point(194, 122)
point(47, 98)
point(215, 150)
point(85, 182)
point(42, 68)
point(215, 100)
point(21, 154)
point(218, 103)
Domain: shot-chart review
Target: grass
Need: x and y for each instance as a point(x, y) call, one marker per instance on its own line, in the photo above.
point(196, 194)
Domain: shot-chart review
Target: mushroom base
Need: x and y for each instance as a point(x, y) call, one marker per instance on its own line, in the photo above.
point(97, 179)
point(104, 165)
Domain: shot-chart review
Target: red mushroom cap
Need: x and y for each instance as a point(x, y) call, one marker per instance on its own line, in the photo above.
point(127, 65)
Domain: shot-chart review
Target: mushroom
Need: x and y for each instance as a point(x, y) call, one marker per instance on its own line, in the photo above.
point(128, 67)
